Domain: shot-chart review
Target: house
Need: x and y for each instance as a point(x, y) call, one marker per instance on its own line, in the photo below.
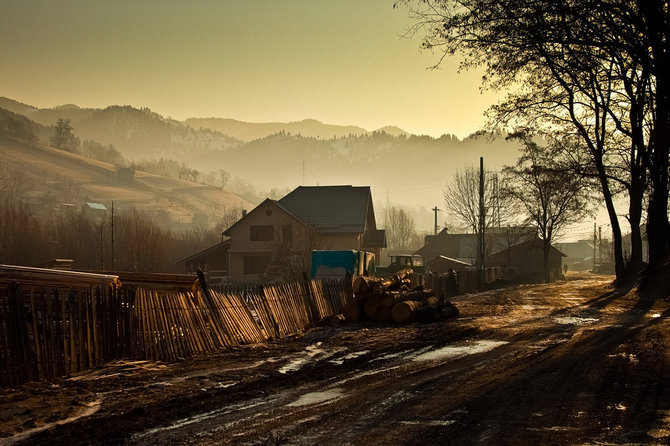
point(527, 259)
point(463, 247)
point(276, 238)
point(442, 265)
point(213, 261)
point(578, 255)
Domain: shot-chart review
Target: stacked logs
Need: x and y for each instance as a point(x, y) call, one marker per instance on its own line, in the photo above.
point(394, 299)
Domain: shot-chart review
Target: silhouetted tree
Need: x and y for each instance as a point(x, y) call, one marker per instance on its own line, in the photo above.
point(461, 199)
point(63, 137)
point(550, 194)
point(609, 58)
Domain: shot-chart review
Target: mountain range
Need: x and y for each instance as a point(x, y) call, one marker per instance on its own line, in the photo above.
point(402, 169)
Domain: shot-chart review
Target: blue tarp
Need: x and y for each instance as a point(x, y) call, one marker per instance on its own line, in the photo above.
point(338, 263)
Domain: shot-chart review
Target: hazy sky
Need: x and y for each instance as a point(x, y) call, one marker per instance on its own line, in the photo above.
point(338, 61)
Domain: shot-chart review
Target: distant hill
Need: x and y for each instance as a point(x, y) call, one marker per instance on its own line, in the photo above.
point(53, 179)
point(248, 131)
point(137, 133)
point(18, 126)
point(393, 130)
point(16, 107)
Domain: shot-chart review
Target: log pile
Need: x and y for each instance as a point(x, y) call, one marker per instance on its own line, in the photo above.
point(394, 299)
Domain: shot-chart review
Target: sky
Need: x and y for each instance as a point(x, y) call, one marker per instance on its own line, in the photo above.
point(339, 61)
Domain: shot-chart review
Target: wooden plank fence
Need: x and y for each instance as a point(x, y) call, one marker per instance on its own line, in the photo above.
point(53, 331)
point(47, 332)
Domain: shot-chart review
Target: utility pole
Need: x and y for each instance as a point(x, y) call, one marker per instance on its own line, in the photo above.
point(595, 241)
point(113, 257)
point(102, 246)
point(435, 210)
point(482, 214)
point(482, 224)
point(600, 246)
point(496, 201)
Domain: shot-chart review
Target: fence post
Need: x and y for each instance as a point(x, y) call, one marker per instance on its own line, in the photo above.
point(18, 322)
point(309, 301)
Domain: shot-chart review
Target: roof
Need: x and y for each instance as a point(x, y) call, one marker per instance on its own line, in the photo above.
point(443, 263)
point(330, 208)
point(465, 245)
point(254, 210)
point(524, 248)
point(96, 206)
point(374, 239)
point(222, 245)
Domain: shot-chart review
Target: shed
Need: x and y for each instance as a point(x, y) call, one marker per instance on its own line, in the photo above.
point(527, 259)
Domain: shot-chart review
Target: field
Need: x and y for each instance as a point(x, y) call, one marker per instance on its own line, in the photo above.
point(575, 362)
point(51, 178)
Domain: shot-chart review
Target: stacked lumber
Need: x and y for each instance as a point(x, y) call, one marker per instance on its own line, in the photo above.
point(396, 299)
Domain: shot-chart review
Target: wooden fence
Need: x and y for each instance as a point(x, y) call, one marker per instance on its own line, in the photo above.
point(47, 332)
point(169, 326)
point(50, 331)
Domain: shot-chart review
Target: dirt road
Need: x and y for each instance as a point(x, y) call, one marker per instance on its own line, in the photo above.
point(568, 363)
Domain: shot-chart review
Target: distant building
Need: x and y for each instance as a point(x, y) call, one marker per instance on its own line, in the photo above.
point(278, 236)
point(463, 247)
point(442, 264)
point(94, 210)
point(527, 259)
point(578, 255)
point(213, 261)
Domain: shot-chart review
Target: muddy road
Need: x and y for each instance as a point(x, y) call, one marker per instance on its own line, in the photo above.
point(568, 363)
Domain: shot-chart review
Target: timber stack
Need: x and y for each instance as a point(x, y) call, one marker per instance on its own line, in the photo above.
point(395, 299)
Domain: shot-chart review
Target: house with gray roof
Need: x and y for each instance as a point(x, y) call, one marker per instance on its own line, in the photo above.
point(277, 237)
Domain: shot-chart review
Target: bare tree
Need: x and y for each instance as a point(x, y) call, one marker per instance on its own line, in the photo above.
point(461, 199)
point(229, 217)
point(400, 228)
point(551, 196)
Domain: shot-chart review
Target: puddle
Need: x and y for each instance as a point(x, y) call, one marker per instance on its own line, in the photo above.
point(90, 409)
point(419, 352)
point(354, 355)
point(655, 315)
point(311, 353)
point(367, 373)
point(430, 422)
point(391, 356)
point(317, 397)
point(573, 320)
point(225, 385)
point(205, 416)
point(553, 428)
point(456, 351)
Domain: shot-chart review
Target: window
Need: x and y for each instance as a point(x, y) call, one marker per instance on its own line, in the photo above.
point(255, 264)
point(287, 235)
point(261, 233)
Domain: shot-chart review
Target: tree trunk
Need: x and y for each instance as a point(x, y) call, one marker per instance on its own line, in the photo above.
point(655, 18)
point(405, 312)
point(657, 212)
point(634, 218)
point(619, 265)
point(393, 297)
point(546, 248)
